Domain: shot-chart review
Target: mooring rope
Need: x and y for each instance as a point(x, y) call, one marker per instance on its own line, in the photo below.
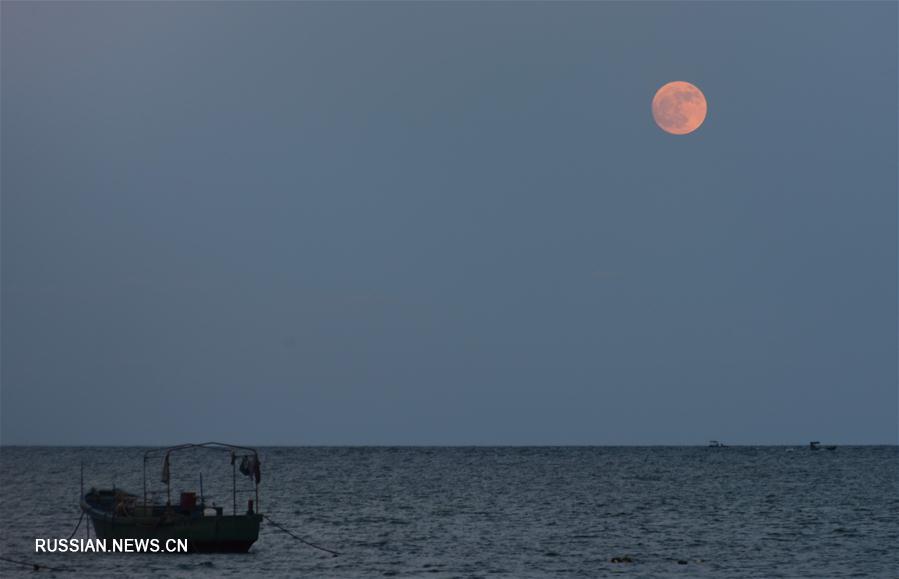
point(300, 539)
point(76, 526)
point(35, 566)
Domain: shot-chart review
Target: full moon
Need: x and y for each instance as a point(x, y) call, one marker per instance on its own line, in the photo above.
point(679, 108)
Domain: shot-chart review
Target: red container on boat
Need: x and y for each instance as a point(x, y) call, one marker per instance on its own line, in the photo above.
point(188, 501)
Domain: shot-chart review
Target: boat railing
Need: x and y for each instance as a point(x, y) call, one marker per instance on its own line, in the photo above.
point(238, 454)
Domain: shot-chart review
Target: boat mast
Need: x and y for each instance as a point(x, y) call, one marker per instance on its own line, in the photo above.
point(168, 483)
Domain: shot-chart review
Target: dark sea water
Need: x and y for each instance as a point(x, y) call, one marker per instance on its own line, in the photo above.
point(497, 512)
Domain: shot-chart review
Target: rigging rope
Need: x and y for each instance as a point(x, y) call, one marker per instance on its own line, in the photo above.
point(34, 566)
point(76, 526)
point(300, 539)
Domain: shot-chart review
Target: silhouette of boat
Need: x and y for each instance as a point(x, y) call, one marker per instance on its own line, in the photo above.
point(716, 444)
point(117, 514)
point(814, 445)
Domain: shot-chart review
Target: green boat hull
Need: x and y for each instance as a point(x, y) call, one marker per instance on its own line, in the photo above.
point(204, 534)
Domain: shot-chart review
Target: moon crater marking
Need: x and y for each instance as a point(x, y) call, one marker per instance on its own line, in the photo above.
point(679, 108)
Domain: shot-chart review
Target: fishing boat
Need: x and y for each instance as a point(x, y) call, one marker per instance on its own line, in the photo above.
point(117, 514)
point(816, 445)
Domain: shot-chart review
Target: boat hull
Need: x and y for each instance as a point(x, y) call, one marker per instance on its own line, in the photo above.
point(204, 534)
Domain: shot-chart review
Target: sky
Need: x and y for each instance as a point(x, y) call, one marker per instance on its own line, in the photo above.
point(434, 223)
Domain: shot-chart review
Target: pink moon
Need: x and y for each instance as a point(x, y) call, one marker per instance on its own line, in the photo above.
point(679, 108)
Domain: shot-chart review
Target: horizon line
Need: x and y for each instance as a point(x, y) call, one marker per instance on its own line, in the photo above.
point(475, 445)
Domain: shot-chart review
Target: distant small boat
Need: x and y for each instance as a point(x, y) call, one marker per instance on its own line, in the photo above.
point(716, 444)
point(116, 514)
point(814, 445)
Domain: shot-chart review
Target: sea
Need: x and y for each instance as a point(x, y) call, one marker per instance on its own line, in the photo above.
point(470, 512)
